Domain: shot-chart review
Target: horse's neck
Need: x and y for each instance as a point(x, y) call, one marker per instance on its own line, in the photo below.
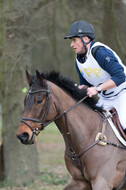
point(62, 99)
point(78, 125)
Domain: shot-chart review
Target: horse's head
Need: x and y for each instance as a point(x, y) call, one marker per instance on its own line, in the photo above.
point(39, 109)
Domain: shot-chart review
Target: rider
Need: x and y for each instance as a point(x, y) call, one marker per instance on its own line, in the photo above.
point(100, 68)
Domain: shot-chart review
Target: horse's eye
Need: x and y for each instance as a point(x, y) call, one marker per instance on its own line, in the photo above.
point(38, 100)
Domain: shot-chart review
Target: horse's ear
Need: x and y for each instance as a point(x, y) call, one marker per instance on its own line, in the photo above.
point(29, 77)
point(39, 77)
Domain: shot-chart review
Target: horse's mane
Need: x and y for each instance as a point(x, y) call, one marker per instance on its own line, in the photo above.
point(70, 87)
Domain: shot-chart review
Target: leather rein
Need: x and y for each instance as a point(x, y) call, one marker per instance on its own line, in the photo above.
point(47, 107)
point(75, 157)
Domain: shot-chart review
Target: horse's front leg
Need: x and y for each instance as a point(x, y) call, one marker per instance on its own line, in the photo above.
point(101, 183)
point(78, 181)
point(77, 185)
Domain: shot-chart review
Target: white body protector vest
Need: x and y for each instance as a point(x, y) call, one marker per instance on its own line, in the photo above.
point(95, 75)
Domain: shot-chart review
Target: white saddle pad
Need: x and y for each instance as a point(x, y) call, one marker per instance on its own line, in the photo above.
point(109, 118)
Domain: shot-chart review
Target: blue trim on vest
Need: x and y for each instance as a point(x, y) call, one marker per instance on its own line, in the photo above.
point(115, 94)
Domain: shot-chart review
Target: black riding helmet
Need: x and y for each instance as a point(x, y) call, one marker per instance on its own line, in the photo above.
point(81, 29)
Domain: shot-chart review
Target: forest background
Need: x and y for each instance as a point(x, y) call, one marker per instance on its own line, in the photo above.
point(32, 37)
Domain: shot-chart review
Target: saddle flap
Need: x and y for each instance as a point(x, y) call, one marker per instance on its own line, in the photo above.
point(115, 119)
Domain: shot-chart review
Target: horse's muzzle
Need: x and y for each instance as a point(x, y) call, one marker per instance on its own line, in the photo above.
point(23, 137)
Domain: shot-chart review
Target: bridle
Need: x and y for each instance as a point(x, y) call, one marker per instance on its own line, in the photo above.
point(46, 107)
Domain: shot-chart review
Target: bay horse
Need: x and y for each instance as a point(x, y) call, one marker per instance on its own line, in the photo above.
point(52, 97)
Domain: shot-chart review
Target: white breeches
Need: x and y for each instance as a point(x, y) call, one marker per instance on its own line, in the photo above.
point(119, 103)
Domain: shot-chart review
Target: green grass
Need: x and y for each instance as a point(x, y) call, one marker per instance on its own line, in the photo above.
point(50, 147)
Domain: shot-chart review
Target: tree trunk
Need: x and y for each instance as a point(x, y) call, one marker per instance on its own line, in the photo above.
point(20, 162)
point(1, 145)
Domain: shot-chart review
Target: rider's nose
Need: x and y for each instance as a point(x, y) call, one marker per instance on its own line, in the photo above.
point(71, 44)
point(23, 137)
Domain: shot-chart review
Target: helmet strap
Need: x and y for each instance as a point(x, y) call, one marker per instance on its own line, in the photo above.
point(85, 44)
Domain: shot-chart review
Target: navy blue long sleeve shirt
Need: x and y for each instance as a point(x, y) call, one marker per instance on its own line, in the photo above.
point(107, 60)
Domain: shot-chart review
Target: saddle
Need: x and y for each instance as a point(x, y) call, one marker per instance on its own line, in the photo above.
point(115, 119)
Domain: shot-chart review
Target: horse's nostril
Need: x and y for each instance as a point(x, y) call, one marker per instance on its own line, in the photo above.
point(23, 137)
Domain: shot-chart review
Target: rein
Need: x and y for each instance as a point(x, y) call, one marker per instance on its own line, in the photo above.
point(47, 106)
point(65, 114)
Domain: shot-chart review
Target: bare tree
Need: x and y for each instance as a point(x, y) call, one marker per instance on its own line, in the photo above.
point(112, 10)
point(20, 162)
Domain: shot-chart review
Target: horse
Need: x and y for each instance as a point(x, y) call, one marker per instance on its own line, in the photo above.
point(54, 98)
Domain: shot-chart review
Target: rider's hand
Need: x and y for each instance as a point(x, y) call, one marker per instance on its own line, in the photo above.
point(81, 86)
point(91, 91)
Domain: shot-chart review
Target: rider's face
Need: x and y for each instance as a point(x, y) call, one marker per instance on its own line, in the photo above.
point(77, 45)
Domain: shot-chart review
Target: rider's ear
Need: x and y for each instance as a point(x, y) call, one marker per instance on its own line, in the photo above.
point(29, 78)
point(39, 77)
